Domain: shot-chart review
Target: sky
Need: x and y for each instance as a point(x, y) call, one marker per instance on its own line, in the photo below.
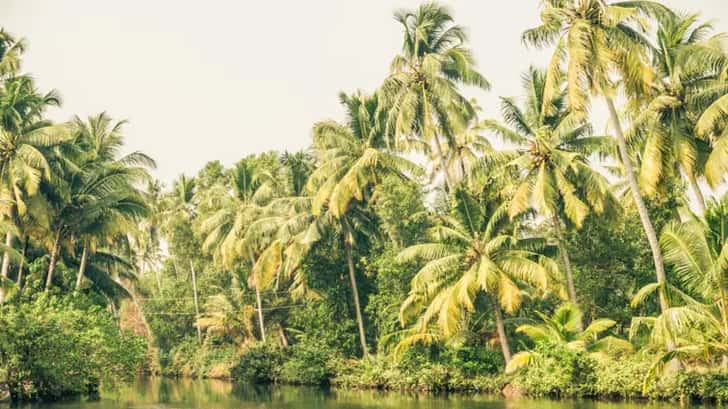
point(218, 80)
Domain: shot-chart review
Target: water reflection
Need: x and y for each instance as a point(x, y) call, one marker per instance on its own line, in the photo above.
point(159, 393)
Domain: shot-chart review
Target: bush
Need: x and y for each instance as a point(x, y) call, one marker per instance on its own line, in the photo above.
point(53, 347)
point(191, 359)
point(558, 372)
point(383, 373)
point(707, 386)
point(261, 363)
point(308, 364)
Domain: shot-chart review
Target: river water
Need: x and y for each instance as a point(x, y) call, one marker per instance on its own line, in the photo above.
point(157, 393)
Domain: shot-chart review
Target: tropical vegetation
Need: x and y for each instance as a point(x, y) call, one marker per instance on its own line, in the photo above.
point(415, 244)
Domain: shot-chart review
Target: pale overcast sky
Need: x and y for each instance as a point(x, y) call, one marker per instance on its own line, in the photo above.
point(222, 79)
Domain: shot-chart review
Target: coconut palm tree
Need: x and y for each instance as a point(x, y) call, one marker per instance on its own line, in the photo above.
point(11, 51)
point(117, 207)
point(563, 328)
point(24, 141)
point(352, 159)
point(555, 177)
point(474, 250)
point(421, 95)
point(688, 63)
point(225, 229)
point(602, 47)
point(697, 250)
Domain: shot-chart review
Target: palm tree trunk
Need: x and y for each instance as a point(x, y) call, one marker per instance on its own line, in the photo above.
point(258, 301)
point(6, 265)
point(501, 329)
point(695, 187)
point(640, 204)
point(81, 268)
point(21, 264)
point(567, 263)
point(443, 163)
point(54, 257)
point(357, 305)
point(197, 305)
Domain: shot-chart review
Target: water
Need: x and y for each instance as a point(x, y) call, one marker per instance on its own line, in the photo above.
point(156, 393)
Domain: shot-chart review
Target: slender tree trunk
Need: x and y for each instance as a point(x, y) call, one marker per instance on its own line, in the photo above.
point(258, 301)
point(197, 306)
point(501, 329)
point(563, 251)
point(158, 276)
point(640, 204)
point(81, 268)
point(282, 335)
point(695, 187)
point(52, 265)
point(443, 163)
point(5, 265)
point(21, 264)
point(357, 305)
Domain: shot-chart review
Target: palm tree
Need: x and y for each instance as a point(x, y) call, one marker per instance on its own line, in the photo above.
point(421, 93)
point(11, 50)
point(563, 328)
point(225, 229)
point(697, 250)
point(465, 149)
point(688, 65)
point(117, 207)
point(24, 138)
point(554, 175)
point(352, 160)
point(599, 42)
point(475, 249)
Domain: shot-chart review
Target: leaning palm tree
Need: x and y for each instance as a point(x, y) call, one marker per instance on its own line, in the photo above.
point(603, 49)
point(353, 158)
point(555, 177)
point(689, 63)
point(474, 250)
point(563, 328)
point(421, 95)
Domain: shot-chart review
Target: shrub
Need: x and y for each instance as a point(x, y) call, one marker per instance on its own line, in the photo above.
point(308, 364)
point(706, 386)
point(261, 363)
point(558, 371)
point(53, 347)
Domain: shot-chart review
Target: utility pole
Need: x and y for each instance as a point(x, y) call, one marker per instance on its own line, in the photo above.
point(197, 307)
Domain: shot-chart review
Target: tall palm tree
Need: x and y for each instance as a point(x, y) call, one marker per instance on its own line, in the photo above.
point(225, 229)
point(554, 174)
point(474, 250)
point(118, 207)
point(601, 42)
point(688, 64)
point(24, 140)
point(421, 93)
point(352, 159)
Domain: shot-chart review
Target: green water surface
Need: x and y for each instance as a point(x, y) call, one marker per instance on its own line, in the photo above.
point(159, 393)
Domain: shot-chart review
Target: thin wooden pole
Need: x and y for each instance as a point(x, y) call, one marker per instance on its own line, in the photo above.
point(197, 307)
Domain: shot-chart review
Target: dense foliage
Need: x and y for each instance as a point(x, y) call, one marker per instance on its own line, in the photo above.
point(402, 250)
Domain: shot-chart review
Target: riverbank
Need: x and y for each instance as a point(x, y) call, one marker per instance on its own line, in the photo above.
point(562, 375)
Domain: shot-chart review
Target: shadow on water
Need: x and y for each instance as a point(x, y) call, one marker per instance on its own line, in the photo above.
point(163, 393)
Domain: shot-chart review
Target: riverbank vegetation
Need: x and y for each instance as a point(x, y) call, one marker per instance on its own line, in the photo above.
point(417, 244)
